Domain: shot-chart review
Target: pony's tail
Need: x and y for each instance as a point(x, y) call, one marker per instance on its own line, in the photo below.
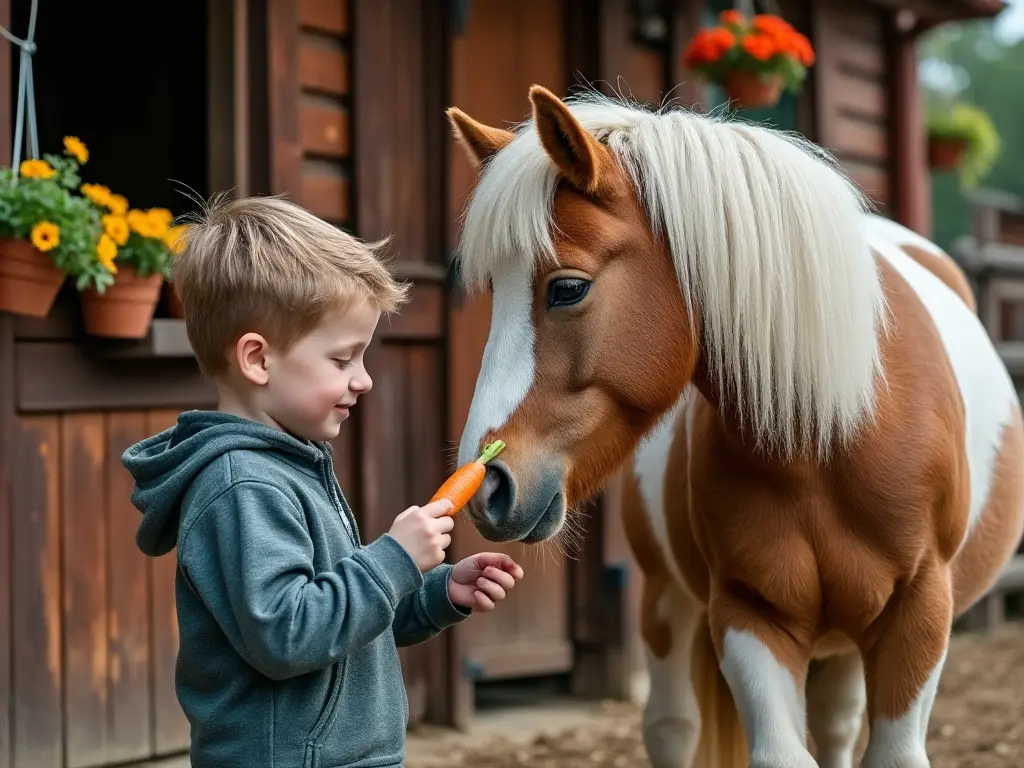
point(722, 742)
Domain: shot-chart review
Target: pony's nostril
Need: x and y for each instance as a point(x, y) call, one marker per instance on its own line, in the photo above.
point(498, 491)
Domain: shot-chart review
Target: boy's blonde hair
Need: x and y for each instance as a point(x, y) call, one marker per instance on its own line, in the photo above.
point(264, 264)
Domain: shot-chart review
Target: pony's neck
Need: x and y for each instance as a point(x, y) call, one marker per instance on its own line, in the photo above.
point(736, 433)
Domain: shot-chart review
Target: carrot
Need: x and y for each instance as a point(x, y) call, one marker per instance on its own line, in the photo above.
point(464, 482)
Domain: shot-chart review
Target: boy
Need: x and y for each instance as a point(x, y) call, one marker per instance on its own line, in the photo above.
point(288, 624)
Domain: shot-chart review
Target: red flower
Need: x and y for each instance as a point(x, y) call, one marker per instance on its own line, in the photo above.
point(731, 18)
point(761, 47)
point(708, 46)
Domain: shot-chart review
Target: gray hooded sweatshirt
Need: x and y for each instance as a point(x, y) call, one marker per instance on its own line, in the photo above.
point(288, 625)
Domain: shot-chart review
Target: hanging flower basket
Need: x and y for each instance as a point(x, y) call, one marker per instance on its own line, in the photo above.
point(754, 60)
point(29, 282)
point(962, 139)
point(47, 231)
point(125, 309)
point(945, 154)
point(137, 247)
point(748, 90)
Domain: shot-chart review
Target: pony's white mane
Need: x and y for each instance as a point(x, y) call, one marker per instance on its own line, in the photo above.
point(766, 235)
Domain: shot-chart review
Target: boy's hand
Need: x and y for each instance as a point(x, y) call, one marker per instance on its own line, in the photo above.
point(423, 531)
point(482, 580)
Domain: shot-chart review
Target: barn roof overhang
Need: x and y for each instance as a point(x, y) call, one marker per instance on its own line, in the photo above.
point(922, 15)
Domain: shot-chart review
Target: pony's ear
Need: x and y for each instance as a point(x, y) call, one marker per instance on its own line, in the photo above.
point(480, 141)
point(581, 158)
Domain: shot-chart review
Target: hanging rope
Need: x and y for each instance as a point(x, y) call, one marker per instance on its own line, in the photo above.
point(26, 92)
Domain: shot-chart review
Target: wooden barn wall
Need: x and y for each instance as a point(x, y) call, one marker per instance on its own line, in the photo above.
point(851, 92)
point(94, 629)
point(6, 430)
point(348, 139)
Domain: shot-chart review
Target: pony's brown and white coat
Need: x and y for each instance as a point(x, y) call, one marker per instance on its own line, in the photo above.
point(827, 447)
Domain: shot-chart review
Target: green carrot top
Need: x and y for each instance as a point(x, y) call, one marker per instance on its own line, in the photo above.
point(491, 450)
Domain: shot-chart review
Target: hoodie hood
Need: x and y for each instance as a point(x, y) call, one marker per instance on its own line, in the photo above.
point(165, 465)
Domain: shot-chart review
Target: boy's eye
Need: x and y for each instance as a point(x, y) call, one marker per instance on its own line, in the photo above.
point(342, 364)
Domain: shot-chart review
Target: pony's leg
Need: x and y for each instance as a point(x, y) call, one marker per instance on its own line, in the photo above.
point(765, 667)
point(671, 720)
point(903, 659)
point(836, 699)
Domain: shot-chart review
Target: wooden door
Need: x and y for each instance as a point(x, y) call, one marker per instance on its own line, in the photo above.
point(502, 49)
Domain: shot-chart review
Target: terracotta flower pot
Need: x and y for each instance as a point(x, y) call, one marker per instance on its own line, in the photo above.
point(29, 282)
point(945, 154)
point(125, 309)
point(747, 91)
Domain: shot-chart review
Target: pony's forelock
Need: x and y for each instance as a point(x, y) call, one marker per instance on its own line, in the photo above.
point(766, 233)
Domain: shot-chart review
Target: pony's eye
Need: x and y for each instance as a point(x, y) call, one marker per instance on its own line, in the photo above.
point(567, 291)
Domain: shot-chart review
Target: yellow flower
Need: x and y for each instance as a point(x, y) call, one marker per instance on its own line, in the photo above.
point(99, 194)
point(37, 169)
point(77, 149)
point(146, 223)
point(175, 238)
point(118, 205)
point(45, 236)
point(106, 252)
point(116, 227)
point(163, 214)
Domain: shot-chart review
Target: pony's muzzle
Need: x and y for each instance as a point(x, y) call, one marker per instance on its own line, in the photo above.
point(504, 510)
point(492, 505)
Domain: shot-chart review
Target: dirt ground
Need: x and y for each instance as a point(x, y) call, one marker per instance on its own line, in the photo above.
point(978, 720)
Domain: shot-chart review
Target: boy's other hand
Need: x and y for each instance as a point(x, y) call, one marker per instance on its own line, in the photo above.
point(424, 532)
point(482, 580)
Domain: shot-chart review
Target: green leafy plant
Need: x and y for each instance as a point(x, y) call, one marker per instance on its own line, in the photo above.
point(966, 124)
point(38, 203)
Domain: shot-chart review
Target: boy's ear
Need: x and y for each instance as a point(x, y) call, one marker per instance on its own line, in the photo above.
point(251, 358)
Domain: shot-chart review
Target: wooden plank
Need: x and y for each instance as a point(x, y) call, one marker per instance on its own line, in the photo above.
point(422, 319)
point(7, 452)
point(427, 463)
point(874, 181)
point(283, 87)
point(128, 628)
point(324, 128)
point(857, 96)
point(384, 448)
point(391, 152)
point(862, 21)
point(523, 658)
point(325, 191)
point(62, 376)
point(329, 16)
point(83, 521)
point(37, 733)
point(323, 68)
point(6, 432)
point(861, 56)
point(170, 727)
point(861, 139)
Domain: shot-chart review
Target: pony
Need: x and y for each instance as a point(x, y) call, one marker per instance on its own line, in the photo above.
point(822, 450)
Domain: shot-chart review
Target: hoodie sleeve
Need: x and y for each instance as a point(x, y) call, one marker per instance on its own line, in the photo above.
point(250, 559)
point(427, 611)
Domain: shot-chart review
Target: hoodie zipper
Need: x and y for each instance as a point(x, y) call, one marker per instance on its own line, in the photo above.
point(331, 482)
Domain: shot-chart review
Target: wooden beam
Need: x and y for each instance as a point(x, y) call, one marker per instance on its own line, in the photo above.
point(6, 433)
point(910, 179)
point(63, 376)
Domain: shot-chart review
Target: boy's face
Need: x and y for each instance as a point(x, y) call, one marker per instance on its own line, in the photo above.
point(310, 388)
